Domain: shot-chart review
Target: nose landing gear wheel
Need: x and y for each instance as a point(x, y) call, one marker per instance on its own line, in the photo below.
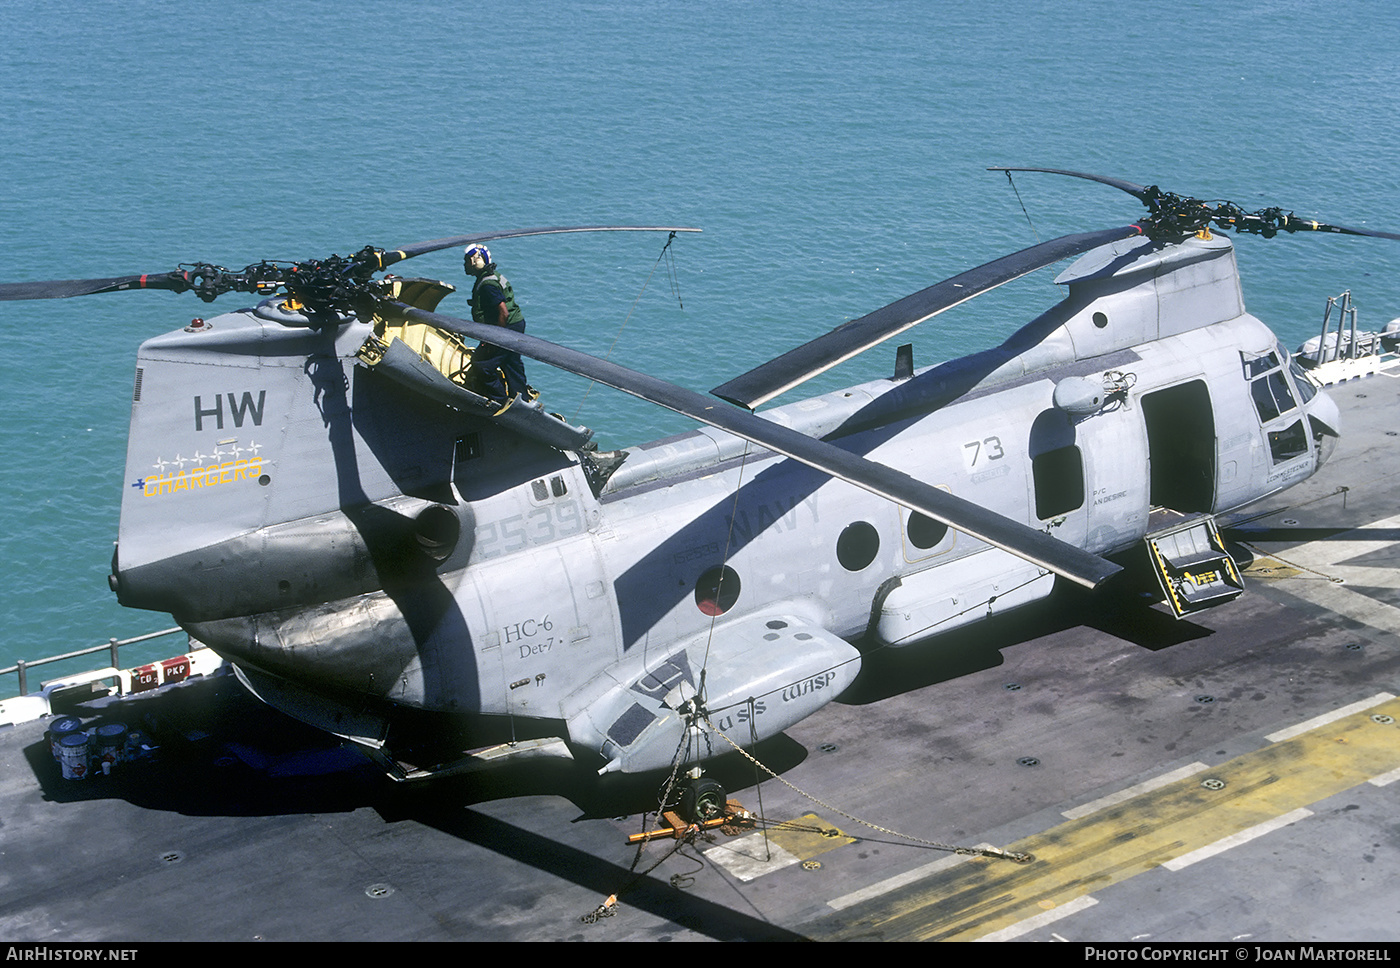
point(702, 799)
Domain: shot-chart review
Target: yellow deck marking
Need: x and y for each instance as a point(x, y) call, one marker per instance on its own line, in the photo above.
point(1089, 854)
point(1266, 566)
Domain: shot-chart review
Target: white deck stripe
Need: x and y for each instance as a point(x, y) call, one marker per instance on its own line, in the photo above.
point(899, 880)
point(1385, 779)
point(750, 857)
point(1338, 548)
point(1326, 718)
point(1328, 558)
point(1127, 793)
point(1041, 920)
point(1234, 840)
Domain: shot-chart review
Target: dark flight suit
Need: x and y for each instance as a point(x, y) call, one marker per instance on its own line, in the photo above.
point(489, 292)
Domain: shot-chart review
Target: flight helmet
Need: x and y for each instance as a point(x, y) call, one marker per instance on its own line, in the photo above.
point(474, 250)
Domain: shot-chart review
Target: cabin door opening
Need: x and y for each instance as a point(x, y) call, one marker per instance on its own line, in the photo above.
point(1181, 447)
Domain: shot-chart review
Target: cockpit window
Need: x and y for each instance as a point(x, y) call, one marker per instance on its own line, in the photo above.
point(1307, 389)
point(1259, 365)
point(1268, 385)
point(1271, 396)
point(1288, 443)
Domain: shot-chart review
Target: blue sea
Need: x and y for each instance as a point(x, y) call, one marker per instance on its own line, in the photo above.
point(833, 153)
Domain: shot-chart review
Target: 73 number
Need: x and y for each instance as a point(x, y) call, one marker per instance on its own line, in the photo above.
point(989, 448)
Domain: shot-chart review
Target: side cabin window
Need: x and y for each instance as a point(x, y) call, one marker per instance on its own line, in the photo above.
point(1057, 465)
point(1059, 481)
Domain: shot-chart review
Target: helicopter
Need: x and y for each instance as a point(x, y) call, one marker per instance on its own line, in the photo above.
point(316, 489)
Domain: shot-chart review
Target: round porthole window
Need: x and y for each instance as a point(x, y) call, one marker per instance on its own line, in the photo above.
point(857, 546)
point(925, 532)
point(717, 590)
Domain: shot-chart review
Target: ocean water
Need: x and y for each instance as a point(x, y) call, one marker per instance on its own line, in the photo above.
point(833, 153)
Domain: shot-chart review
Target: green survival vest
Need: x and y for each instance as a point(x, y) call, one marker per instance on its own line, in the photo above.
point(515, 318)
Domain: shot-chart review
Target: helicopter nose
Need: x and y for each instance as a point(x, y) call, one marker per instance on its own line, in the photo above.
point(1324, 420)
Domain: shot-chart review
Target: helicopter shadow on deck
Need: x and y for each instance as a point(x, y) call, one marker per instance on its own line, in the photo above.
point(215, 750)
point(222, 753)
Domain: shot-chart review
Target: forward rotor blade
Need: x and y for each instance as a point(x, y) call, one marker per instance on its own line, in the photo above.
point(766, 381)
point(64, 288)
point(179, 281)
point(1034, 546)
point(1137, 191)
point(421, 248)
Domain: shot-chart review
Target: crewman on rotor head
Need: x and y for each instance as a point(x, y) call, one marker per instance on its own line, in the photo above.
point(501, 373)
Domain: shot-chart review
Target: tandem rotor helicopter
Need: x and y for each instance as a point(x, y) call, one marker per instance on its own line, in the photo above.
point(314, 490)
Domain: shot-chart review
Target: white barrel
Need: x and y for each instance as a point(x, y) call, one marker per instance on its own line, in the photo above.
point(73, 755)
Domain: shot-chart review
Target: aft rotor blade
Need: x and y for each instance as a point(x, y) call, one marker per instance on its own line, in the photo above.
point(765, 382)
point(1018, 539)
point(421, 248)
point(63, 288)
point(1137, 191)
point(1295, 224)
point(1248, 222)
